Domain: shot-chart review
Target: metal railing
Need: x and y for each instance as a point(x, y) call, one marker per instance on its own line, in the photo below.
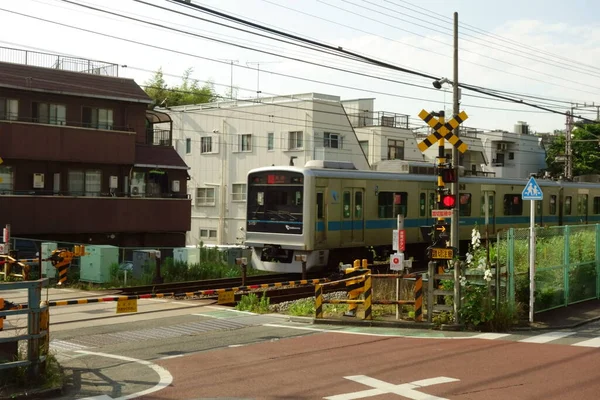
point(379, 118)
point(37, 328)
point(55, 61)
point(59, 123)
point(94, 194)
point(159, 137)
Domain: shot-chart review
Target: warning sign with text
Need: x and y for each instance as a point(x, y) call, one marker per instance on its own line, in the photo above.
point(126, 306)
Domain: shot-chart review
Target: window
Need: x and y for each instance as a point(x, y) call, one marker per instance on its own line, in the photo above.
point(85, 183)
point(553, 204)
point(395, 149)
point(270, 141)
point(206, 144)
point(464, 204)
point(332, 140)
point(568, 205)
point(295, 140)
point(511, 155)
point(99, 118)
point(9, 109)
point(596, 205)
point(205, 196)
point(358, 205)
point(346, 203)
point(45, 113)
point(390, 204)
point(188, 146)
point(208, 233)
point(245, 142)
point(320, 205)
point(6, 179)
point(490, 205)
point(513, 204)
point(238, 192)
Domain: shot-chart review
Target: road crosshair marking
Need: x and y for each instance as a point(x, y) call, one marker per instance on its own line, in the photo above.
point(407, 390)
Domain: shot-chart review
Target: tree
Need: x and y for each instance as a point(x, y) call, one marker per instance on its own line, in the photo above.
point(585, 151)
point(188, 92)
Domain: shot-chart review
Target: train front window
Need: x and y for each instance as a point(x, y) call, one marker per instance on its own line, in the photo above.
point(275, 201)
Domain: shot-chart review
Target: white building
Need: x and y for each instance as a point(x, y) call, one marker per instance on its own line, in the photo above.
point(222, 141)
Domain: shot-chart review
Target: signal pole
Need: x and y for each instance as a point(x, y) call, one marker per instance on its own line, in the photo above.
point(454, 239)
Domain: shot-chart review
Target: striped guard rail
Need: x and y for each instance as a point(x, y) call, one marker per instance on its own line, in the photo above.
point(419, 298)
point(208, 292)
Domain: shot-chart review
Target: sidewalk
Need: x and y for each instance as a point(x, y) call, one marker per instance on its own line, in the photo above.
point(568, 317)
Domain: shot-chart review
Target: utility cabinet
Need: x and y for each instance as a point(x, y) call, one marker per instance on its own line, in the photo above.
point(143, 260)
point(96, 264)
point(47, 269)
point(188, 255)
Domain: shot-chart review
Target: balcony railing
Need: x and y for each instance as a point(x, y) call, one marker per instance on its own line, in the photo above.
point(67, 63)
point(379, 118)
point(140, 195)
point(108, 126)
point(158, 137)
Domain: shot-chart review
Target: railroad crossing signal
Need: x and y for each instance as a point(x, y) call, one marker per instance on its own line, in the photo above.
point(441, 131)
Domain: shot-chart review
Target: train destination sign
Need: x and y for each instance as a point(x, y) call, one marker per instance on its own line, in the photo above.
point(442, 253)
point(441, 213)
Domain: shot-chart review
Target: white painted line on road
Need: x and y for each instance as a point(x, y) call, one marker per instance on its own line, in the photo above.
point(230, 309)
point(181, 303)
point(595, 342)
point(157, 300)
point(546, 337)
point(165, 378)
point(170, 357)
point(204, 315)
point(490, 336)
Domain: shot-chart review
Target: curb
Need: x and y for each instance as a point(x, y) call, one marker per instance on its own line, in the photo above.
point(554, 327)
point(35, 394)
point(360, 322)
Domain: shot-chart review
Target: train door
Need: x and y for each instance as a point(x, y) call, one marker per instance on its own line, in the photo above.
point(321, 220)
point(353, 216)
point(427, 203)
point(488, 210)
point(561, 202)
point(582, 206)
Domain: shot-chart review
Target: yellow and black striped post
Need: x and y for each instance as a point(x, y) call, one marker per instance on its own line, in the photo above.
point(368, 298)
point(62, 274)
point(355, 287)
point(318, 301)
point(419, 298)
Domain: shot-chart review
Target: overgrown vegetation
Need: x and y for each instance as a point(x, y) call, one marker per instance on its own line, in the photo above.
point(251, 302)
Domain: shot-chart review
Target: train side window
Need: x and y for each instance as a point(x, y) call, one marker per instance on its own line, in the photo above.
point(346, 202)
point(400, 204)
point(568, 203)
point(390, 204)
point(358, 200)
point(422, 204)
point(553, 204)
point(513, 204)
point(490, 204)
point(465, 204)
point(582, 204)
point(596, 205)
point(320, 205)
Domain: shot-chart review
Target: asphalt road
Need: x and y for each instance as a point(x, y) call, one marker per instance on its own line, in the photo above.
point(210, 353)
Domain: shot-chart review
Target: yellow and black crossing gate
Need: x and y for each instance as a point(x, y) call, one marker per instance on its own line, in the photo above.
point(443, 131)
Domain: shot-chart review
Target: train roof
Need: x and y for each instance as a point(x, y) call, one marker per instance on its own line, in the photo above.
point(368, 174)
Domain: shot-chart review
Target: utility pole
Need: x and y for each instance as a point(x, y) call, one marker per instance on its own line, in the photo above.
point(568, 155)
point(454, 239)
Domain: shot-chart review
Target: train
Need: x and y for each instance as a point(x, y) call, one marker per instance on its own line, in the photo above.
point(333, 213)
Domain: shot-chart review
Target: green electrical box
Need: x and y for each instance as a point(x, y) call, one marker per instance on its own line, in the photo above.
point(95, 265)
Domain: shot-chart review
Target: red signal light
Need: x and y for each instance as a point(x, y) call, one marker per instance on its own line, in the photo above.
point(448, 201)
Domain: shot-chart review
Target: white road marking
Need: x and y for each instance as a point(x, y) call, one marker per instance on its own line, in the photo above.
point(165, 378)
point(230, 309)
point(181, 303)
point(490, 336)
point(157, 300)
point(546, 337)
point(407, 390)
point(594, 342)
point(63, 345)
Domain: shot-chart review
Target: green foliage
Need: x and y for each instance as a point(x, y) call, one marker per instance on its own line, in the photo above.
point(251, 302)
point(302, 307)
point(443, 318)
point(586, 157)
point(188, 92)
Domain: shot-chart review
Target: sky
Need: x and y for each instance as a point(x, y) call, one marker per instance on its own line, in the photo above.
point(547, 50)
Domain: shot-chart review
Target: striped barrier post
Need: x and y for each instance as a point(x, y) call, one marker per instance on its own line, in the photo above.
point(62, 274)
point(419, 298)
point(318, 301)
point(368, 298)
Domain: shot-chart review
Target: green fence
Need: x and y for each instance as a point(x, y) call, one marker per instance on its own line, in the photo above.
point(567, 267)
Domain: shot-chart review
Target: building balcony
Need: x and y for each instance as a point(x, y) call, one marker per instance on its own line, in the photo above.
point(33, 141)
point(159, 137)
point(378, 118)
point(39, 215)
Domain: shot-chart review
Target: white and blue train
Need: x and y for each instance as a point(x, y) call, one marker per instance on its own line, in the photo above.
point(333, 213)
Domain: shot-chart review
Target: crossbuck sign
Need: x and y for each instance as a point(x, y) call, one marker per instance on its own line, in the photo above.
point(443, 130)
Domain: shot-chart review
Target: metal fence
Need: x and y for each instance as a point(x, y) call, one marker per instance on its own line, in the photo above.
point(567, 269)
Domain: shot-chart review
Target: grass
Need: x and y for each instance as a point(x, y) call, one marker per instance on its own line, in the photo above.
point(251, 302)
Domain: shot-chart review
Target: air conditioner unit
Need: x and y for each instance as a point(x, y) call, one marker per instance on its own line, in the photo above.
point(38, 181)
point(114, 182)
point(175, 186)
point(137, 191)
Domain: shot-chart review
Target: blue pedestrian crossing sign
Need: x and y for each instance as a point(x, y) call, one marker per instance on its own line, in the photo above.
point(532, 191)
